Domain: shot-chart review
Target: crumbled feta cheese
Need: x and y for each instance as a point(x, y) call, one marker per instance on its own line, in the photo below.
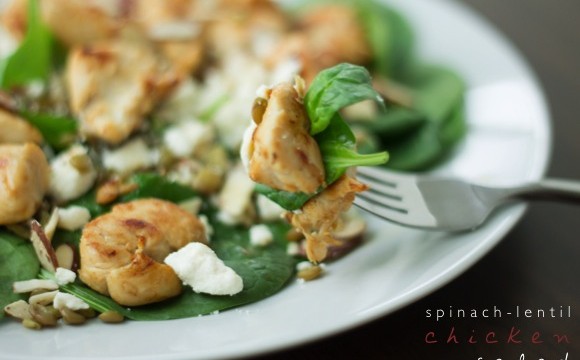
point(235, 198)
point(69, 181)
point(264, 92)
point(7, 43)
point(303, 265)
point(293, 249)
point(206, 226)
point(260, 235)
point(68, 301)
point(175, 30)
point(199, 267)
point(246, 148)
point(286, 71)
point(268, 210)
point(187, 137)
point(73, 217)
point(182, 103)
point(239, 77)
point(64, 276)
point(226, 218)
point(192, 205)
point(132, 156)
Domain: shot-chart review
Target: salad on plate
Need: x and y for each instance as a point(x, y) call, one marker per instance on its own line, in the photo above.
point(169, 159)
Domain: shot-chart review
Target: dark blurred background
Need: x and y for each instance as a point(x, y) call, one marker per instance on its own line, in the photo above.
point(537, 265)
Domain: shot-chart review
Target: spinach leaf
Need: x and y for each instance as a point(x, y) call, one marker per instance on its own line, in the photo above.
point(33, 58)
point(57, 131)
point(18, 261)
point(437, 91)
point(390, 36)
point(338, 148)
point(335, 88)
point(418, 137)
point(331, 90)
point(264, 272)
point(157, 186)
point(148, 185)
point(388, 33)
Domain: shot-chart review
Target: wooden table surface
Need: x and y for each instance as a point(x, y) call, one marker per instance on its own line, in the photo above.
point(536, 266)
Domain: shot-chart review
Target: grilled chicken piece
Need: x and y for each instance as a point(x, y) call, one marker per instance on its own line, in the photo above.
point(113, 84)
point(17, 130)
point(74, 22)
point(122, 252)
point(24, 179)
point(174, 26)
point(81, 22)
point(253, 26)
point(328, 35)
point(283, 155)
point(321, 215)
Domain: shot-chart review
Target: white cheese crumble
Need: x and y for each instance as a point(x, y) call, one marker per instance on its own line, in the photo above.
point(246, 149)
point(175, 30)
point(68, 301)
point(263, 92)
point(68, 182)
point(235, 198)
point(268, 209)
point(206, 226)
point(199, 267)
point(260, 235)
point(293, 249)
point(187, 137)
point(303, 265)
point(132, 156)
point(64, 276)
point(73, 217)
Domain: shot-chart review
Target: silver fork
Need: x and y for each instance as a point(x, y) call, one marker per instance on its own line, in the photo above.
point(447, 204)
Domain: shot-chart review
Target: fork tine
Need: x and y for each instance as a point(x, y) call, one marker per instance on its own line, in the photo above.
point(381, 211)
point(391, 201)
point(395, 197)
point(380, 185)
point(378, 175)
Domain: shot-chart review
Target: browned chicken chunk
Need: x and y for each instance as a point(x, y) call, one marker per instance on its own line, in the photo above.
point(113, 84)
point(283, 154)
point(14, 129)
point(328, 35)
point(320, 215)
point(122, 252)
point(24, 179)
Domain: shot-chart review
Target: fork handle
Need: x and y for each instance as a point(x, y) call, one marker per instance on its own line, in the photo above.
point(547, 189)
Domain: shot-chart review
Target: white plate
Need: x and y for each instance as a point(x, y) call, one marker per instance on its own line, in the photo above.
point(508, 141)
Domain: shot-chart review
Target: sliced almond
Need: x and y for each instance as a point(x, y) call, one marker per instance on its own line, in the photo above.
point(42, 247)
point(51, 224)
point(26, 286)
point(44, 298)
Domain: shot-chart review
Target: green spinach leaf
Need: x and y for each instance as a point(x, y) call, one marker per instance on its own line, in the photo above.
point(57, 131)
point(148, 185)
point(264, 272)
point(335, 88)
point(18, 261)
point(419, 136)
point(32, 60)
